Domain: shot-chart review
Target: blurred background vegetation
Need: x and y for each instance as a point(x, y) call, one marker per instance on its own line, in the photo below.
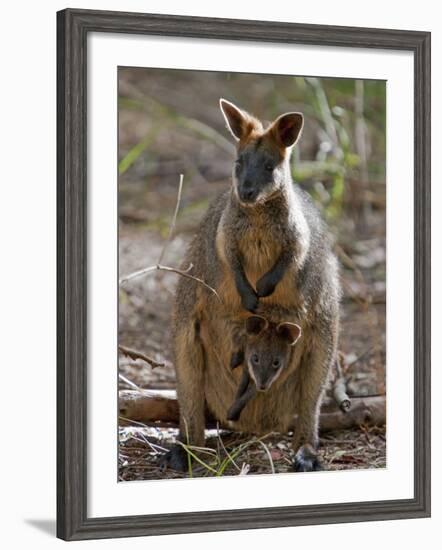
point(170, 124)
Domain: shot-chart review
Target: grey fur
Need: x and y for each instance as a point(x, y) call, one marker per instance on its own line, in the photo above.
point(232, 237)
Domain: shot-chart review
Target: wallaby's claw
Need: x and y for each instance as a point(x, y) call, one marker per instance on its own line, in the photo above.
point(265, 287)
point(250, 302)
point(233, 413)
point(237, 359)
point(306, 460)
point(175, 459)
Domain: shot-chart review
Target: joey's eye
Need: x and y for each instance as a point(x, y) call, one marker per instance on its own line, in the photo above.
point(255, 359)
point(269, 167)
point(276, 363)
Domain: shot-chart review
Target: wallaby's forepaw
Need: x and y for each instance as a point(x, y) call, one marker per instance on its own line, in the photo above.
point(175, 459)
point(237, 359)
point(250, 302)
point(233, 413)
point(306, 460)
point(265, 286)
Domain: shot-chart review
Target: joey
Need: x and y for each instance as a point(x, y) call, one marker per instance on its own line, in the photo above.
point(266, 354)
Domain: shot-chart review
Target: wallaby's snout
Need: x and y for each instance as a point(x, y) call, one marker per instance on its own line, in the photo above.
point(253, 176)
point(247, 192)
point(265, 377)
point(268, 349)
point(266, 365)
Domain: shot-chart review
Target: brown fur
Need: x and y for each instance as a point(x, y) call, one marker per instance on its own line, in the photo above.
point(265, 351)
point(263, 413)
point(232, 238)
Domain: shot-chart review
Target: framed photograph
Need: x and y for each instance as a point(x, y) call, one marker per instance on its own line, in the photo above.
point(243, 274)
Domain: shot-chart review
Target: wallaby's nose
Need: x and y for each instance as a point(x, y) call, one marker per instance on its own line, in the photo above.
point(247, 192)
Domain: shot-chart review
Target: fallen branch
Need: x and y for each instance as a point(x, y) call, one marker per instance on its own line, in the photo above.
point(160, 408)
point(134, 354)
point(339, 390)
point(148, 407)
point(365, 411)
point(340, 395)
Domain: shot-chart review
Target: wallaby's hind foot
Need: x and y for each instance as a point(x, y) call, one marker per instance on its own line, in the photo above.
point(175, 459)
point(306, 460)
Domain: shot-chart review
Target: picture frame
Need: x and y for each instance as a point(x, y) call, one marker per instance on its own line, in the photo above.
point(73, 28)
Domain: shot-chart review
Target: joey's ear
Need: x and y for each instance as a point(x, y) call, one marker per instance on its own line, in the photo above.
point(290, 332)
point(256, 324)
point(238, 122)
point(287, 128)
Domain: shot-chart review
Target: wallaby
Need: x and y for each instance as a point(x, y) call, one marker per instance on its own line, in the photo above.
point(262, 234)
point(266, 351)
point(262, 244)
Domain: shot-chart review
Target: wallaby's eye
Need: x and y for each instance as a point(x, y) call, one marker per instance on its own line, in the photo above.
point(255, 359)
point(238, 163)
point(269, 167)
point(276, 363)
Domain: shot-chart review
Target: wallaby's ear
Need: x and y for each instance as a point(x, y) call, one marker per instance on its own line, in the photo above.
point(290, 331)
point(238, 122)
point(287, 128)
point(255, 324)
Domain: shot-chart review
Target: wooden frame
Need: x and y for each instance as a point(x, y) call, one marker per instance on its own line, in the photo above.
point(73, 27)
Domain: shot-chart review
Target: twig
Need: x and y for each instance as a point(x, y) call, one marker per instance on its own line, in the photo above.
point(159, 266)
point(134, 354)
point(272, 466)
point(151, 445)
point(339, 389)
point(146, 271)
point(359, 357)
point(183, 273)
point(340, 395)
point(224, 448)
point(129, 382)
point(173, 222)
point(129, 420)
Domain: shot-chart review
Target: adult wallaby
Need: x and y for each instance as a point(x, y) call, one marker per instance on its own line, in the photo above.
point(261, 245)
